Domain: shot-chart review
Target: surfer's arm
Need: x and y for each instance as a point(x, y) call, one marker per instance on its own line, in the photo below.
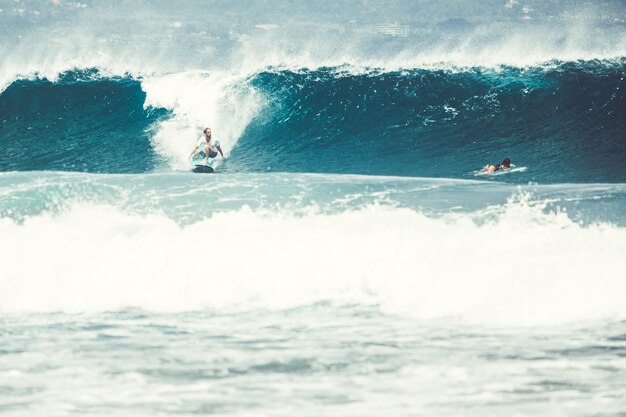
point(191, 155)
point(219, 148)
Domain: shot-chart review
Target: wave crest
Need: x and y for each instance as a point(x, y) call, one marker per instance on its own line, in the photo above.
point(507, 271)
point(417, 122)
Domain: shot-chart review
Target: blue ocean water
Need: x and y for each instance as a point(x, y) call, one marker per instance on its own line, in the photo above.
point(347, 257)
point(565, 123)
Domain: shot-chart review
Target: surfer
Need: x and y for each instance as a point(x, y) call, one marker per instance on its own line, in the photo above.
point(505, 164)
point(206, 146)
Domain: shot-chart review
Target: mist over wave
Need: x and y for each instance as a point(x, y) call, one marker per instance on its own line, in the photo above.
point(161, 37)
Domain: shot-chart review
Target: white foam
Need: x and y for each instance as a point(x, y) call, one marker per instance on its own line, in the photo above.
point(199, 99)
point(524, 268)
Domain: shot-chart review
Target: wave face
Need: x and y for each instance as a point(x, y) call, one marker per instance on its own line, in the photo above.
point(565, 122)
point(80, 122)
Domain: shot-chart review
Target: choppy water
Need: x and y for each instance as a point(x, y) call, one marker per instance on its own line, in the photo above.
point(319, 359)
point(346, 258)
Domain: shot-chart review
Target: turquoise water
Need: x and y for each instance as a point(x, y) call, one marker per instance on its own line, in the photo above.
point(347, 257)
point(564, 123)
point(307, 361)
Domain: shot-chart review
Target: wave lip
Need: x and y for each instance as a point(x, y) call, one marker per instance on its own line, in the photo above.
point(80, 122)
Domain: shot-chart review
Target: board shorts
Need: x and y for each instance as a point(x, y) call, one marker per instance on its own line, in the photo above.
point(213, 154)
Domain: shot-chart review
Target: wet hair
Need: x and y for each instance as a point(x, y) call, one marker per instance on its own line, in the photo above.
point(506, 162)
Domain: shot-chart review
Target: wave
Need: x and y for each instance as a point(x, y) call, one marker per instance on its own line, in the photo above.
point(476, 252)
point(509, 271)
point(562, 120)
point(80, 122)
point(440, 123)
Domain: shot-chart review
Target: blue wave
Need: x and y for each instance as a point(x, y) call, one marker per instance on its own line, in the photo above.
point(565, 122)
point(81, 122)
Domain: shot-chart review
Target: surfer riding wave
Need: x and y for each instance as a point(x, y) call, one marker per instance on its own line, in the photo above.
point(206, 147)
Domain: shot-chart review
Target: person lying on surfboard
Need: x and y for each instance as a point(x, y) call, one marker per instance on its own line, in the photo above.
point(506, 164)
point(206, 146)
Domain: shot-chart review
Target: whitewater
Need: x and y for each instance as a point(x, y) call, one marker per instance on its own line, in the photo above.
point(347, 257)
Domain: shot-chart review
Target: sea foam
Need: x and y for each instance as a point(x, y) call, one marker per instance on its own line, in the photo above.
point(525, 267)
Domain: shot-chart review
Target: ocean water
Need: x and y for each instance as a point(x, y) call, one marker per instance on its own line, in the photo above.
point(347, 257)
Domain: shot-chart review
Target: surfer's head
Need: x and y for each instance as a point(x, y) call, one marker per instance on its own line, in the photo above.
point(506, 163)
point(207, 131)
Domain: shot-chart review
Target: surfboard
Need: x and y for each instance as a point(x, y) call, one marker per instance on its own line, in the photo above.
point(199, 165)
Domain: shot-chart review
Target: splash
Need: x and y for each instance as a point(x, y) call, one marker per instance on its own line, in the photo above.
point(516, 269)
